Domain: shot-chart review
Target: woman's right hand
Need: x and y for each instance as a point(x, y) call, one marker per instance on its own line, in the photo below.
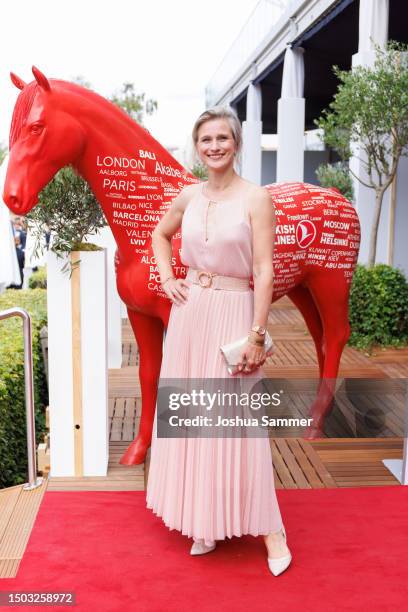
point(177, 290)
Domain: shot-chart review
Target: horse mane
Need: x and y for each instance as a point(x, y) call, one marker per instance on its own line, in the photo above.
point(21, 110)
point(26, 98)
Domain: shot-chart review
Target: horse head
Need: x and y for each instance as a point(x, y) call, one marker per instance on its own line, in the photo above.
point(43, 139)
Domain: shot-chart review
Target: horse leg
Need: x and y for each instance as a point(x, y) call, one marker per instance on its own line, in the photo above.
point(331, 295)
point(149, 337)
point(303, 300)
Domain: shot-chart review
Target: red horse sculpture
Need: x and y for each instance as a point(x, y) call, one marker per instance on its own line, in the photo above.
point(134, 178)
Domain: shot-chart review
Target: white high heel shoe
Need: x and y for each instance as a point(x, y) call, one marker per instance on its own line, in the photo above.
point(200, 548)
point(278, 565)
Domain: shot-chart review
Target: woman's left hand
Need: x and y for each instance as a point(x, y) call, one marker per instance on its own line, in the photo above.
point(252, 357)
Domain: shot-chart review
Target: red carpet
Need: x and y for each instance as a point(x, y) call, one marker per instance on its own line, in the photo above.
point(350, 549)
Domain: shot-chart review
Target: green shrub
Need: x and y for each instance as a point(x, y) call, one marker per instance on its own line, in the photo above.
point(336, 175)
point(38, 280)
point(13, 437)
point(378, 307)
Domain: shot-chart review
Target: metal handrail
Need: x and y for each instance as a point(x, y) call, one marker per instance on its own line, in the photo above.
point(29, 394)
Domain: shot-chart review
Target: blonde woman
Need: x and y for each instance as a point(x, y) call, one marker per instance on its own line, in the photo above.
point(214, 488)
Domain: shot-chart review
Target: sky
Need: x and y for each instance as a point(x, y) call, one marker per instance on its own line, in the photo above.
point(168, 48)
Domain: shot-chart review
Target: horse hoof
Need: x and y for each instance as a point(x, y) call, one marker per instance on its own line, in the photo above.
point(136, 453)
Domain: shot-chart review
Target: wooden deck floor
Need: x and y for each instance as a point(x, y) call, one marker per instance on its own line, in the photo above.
point(341, 460)
point(18, 509)
point(328, 462)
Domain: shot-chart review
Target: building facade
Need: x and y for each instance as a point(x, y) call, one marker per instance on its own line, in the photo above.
point(278, 76)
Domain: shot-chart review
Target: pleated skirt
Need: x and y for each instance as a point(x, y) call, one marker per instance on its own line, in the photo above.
point(211, 488)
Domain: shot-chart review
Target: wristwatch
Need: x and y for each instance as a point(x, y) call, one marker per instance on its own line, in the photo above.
point(259, 330)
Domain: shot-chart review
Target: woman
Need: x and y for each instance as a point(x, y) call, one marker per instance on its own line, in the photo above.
point(212, 488)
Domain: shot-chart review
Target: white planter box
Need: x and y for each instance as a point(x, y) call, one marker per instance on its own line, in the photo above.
point(78, 365)
point(104, 238)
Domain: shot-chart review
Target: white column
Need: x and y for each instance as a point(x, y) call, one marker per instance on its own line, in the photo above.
point(291, 119)
point(373, 29)
point(251, 136)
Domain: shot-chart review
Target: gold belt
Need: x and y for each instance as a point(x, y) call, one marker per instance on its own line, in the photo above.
point(217, 281)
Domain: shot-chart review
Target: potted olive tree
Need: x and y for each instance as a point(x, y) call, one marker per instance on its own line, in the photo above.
point(77, 325)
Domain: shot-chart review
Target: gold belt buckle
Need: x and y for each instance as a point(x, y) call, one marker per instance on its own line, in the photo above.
point(209, 277)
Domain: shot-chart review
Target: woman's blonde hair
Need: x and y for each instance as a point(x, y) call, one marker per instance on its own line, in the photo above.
point(220, 112)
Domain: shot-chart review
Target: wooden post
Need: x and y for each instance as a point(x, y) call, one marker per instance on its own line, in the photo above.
point(77, 362)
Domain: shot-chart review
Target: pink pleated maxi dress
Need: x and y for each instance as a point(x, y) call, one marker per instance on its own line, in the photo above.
point(212, 488)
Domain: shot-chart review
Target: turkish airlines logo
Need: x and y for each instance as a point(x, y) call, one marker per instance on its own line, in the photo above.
point(305, 233)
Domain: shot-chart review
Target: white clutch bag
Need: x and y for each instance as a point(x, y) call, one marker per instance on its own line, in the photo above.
point(232, 351)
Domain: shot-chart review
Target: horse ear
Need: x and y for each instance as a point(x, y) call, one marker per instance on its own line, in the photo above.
point(41, 79)
point(19, 83)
